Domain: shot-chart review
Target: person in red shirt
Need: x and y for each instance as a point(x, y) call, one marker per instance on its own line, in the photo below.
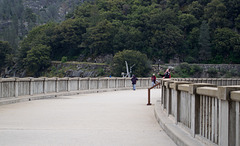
point(153, 80)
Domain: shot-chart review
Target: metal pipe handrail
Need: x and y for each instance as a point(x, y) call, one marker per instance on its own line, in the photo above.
point(158, 84)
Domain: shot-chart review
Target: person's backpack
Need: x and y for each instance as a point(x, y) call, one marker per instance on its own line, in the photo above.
point(167, 75)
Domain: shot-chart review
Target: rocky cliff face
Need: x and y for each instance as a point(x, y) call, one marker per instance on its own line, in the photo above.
point(51, 9)
point(18, 17)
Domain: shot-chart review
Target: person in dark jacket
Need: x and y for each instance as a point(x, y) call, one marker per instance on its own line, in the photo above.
point(134, 81)
point(167, 74)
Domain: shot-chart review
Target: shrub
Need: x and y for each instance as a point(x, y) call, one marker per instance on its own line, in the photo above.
point(212, 72)
point(64, 59)
point(185, 70)
point(139, 62)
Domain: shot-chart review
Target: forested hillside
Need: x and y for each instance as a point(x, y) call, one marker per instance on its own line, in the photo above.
point(203, 31)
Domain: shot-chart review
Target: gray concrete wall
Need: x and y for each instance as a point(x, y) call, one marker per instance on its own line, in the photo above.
point(14, 87)
point(215, 81)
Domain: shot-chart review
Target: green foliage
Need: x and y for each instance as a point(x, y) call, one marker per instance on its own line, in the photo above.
point(185, 70)
point(195, 9)
point(227, 45)
point(64, 59)
point(204, 43)
point(39, 36)
point(195, 69)
point(5, 54)
point(202, 31)
point(67, 37)
point(38, 58)
point(101, 72)
point(232, 73)
point(54, 72)
point(187, 22)
point(216, 13)
point(98, 38)
point(237, 22)
point(212, 72)
point(139, 61)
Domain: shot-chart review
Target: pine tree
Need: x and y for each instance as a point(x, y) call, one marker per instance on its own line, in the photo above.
point(204, 43)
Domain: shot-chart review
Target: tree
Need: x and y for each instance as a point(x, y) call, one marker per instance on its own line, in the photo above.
point(191, 47)
point(168, 41)
point(5, 52)
point(237, 22)
point(98, 38)
point(67, 38)
point(195, 9)
point(216, 14)
point(227, 45)
point(133, 58)
point(41, 35)
point(233, 9)
point(38, 59)
point(204, 43)
point(187, 22)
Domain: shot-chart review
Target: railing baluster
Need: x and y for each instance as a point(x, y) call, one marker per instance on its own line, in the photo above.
point(213, 119)
point(207, 117)
point(201, 116)
point(210, 118)
point(237, 124)
point(204, 116)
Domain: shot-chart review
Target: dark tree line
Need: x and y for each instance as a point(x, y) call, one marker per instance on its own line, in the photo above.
point(203, 31)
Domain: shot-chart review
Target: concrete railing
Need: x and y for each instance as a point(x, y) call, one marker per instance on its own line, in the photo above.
point(215, 81)
point(208, 112)
point(15, 87)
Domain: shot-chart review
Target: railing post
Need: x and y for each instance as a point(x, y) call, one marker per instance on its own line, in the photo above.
point(149, 102)
point(224, 114)
point(1, 88)
point(195, 107)
point(31, 86)
point(149, 93)
point(78, 84)
point(116, 83)
point(16, 87)
point(68, 84)
point(164, 95)
point(108, 83)
point(162, 90)
point(177, 97)
point(89, 82)
point(57, 85)
point(237, 124)
point(98, 83)
point(45, 85)
point(168, 96)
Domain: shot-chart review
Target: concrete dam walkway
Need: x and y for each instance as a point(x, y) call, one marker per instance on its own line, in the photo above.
point(119, 118)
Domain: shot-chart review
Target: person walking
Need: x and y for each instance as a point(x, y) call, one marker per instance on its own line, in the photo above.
point(134, 81)
point(153, 79)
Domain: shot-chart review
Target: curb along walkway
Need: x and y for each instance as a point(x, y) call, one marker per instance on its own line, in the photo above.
point(177, 133)
point(99, 119)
